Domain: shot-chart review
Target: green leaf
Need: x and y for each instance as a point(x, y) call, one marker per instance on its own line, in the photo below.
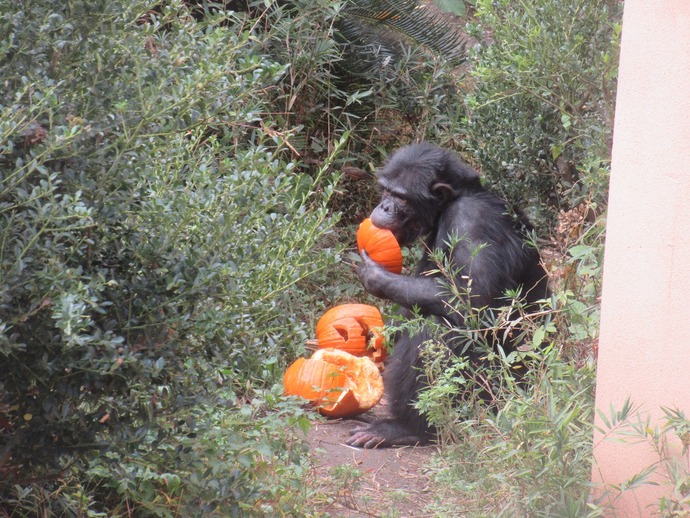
point(456, 7)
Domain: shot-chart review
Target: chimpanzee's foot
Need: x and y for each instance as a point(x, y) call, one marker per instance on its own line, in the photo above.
point(383, 434)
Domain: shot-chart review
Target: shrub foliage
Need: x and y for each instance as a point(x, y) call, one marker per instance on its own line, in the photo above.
point(154, 232)
point(540, 118)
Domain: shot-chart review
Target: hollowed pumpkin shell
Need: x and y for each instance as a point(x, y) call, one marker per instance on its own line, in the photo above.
point(338, 383)
point(353, 328)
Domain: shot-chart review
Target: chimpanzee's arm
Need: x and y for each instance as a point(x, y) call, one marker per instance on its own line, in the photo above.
point(427, 292)
point(431, 293)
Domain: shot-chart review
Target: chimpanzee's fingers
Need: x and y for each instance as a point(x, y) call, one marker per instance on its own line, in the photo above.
point(364, 439)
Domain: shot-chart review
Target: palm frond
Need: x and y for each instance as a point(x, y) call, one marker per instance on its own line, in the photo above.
point(367, 50)
point(415, 21)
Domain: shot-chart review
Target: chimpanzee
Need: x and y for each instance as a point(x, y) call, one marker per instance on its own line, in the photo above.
point(429, 192)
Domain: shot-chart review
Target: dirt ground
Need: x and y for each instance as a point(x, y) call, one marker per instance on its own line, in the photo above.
point(387, 482)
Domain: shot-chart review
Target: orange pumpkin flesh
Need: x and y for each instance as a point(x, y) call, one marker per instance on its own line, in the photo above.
point(381, 245)
point(341, 385)
point(353, 328)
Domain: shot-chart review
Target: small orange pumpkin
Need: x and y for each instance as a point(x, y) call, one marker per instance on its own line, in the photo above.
point(353, 328)
point(381, 245)
point(338, 383)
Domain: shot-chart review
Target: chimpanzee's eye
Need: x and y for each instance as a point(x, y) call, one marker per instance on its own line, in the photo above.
point(399, 201)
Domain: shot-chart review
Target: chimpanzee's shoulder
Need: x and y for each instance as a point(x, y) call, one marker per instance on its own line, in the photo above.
point(479, 216)
point(476, 206)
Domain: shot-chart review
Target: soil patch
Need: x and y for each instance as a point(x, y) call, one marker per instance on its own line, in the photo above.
point(387, 482)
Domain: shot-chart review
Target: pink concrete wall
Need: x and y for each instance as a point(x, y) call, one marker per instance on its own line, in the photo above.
point(644, 349)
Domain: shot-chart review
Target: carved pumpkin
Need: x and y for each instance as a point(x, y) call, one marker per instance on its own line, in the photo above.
point(338, 383)
point(353, 328)
point(381, 245)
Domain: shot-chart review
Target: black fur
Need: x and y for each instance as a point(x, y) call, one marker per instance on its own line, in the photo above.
point(428, 192)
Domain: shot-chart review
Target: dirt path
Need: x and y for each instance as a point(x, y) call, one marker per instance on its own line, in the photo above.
point(388, 482)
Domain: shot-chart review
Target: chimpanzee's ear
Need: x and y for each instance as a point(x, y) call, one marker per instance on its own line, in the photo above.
point(443, 191)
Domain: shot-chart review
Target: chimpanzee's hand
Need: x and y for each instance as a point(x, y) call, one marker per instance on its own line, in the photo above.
point(374, 277)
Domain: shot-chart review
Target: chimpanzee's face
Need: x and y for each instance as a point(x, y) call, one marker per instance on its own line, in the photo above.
point(397, 213)
point(416, 187)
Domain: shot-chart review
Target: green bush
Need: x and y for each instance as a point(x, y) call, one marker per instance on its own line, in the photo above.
point(532, 457)
point(539, 122)
point(540, 116)
point(517, 428)
point(155, 237)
